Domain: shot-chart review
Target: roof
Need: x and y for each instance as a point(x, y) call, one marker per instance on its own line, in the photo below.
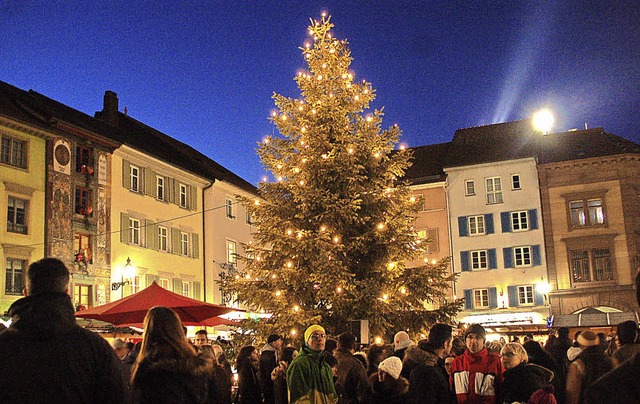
point(18, 105)
point(157, 144)
point(428, 162)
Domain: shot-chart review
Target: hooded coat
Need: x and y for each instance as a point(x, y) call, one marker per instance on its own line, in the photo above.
point(47, 357)
point(428, 382)
point(310, 379)
point(522, 381)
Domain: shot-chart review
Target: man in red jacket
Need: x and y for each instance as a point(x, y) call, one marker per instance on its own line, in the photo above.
point(476, 374)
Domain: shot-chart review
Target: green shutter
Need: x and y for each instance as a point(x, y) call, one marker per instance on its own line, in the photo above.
point(196, 290)
point(151, 278)
point(150, 182)
point(126, 174)
point(193, 205)
point(151, 234)
point(169, 191)
point(175, 241)
point(195, 246)
point(176, 192)
point(124, 228)
point(177, 285)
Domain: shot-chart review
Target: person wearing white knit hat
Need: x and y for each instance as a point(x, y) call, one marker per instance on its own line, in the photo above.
point(387, 385)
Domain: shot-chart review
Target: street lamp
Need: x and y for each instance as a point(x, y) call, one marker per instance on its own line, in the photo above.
point(543, 121)
point(127, 272)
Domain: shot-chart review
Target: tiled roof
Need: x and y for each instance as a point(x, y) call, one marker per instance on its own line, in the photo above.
point(428, 163)
point(18, 105)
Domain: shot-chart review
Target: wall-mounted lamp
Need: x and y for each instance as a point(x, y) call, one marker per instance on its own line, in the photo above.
point(128, 272)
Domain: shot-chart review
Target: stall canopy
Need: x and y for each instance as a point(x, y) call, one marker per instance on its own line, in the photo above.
point(131, 310)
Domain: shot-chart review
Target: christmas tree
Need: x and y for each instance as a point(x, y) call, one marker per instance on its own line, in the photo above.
point(335, 238)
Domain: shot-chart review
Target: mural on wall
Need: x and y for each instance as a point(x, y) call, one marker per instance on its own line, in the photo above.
point(59, 229)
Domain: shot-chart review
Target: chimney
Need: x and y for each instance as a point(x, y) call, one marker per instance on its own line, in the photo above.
point(110, 108)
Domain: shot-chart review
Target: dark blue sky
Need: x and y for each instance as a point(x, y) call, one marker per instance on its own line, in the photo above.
point(204, 71)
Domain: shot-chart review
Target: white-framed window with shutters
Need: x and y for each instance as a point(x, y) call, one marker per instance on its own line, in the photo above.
point(187, 288)
point(522, 256)
point(134, 231)
point(135, 284)
point(480, 298)
point(479, 260)
point(184, 243)
point(525, 294)
point(160, 188)
point(165, 283)
point(476, 225)
point(519, 220)
point(469, 188)
point(134, 174)
point(163, 238)
point(515, 182)
point(494, 190)
point(232, 257)
point(183, 195)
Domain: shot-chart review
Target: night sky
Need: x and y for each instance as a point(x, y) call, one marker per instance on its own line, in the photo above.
point(204, 71)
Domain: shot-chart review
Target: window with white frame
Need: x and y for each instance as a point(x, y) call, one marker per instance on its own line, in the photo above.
point(248, 217)
point(469, 187)
point(184, 243)
point(160, 187)
point(479, 260)
point(525, 294)
point(229, 208)
point(494, 190)
point(164, 283)
point(183, 196)
point(519, 220)
point(522, 256)
point(14, 152)
point(134, 173)
point(17, 215)
point(232, 257)
point(135, 284)
point(14, 269)
point(476, 225)
point(515, 182)
point(186, 288)
point(480, 298)
point(134, 231)
point(163, 238)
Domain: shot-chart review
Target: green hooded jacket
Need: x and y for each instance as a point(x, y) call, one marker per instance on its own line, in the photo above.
point(310, 379)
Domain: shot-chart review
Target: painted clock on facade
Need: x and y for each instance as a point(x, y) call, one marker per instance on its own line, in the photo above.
point(62, 155)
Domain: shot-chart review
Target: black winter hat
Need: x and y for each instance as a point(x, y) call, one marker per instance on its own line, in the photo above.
point(478, 330)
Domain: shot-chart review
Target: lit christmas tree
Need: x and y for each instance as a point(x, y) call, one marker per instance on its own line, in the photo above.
point(335, 238)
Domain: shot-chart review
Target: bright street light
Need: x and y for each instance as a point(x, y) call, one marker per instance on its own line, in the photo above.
point(543, 121)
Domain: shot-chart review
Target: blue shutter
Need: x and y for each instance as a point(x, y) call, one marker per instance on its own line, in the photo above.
point(535, 251)
point(538, 297)
point(488, 224)
point(513, 295)
point(493, 298)
point(468, 299)
point(505, 218)
point(464, 258)
point(508, 257)
point(533, 219)
point(493, 260)
point(463, 226)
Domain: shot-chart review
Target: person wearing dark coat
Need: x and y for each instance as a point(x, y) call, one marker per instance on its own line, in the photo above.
point(46, 356)
point(539, 356)
point(248, 363)
point(521, 379)
point(279, 375)
point(428, 381)
point(351, 382)
point(387, 385)
point(268, 362)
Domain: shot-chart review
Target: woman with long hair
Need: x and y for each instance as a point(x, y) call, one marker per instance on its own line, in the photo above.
point(168, 369)
point(247, 364)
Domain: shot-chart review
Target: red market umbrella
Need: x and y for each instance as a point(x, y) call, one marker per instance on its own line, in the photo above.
point(131, 310)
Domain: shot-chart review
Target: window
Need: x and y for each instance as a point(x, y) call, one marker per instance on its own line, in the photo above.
point(519, 221)
point(83, 160)
point(17, 215)
point(476, 225)
point(183, 196)
point(525, 294)
point(134, 173)
point(249, 217)
point(420, 203)
point(469, 188)
point(494, 190)
point(164, 283)
point(160, 188)
point(83, 201)
point(229, 208)
point(232, 257)
point(82, 245)
point(480, 298)
point(522, 256)
point(186, 289)
point(14, 152)
point(479, 260)
point(14, 269)
point(134, 231)
point(163, 238)
point(430, 237)
point(587, 212)
point(515, 182)
point(184, 243)
point(591, 265)
point(83, 296)
point(135, 284)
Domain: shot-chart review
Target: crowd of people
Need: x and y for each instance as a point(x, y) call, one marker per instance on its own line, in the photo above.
point(47, 357)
